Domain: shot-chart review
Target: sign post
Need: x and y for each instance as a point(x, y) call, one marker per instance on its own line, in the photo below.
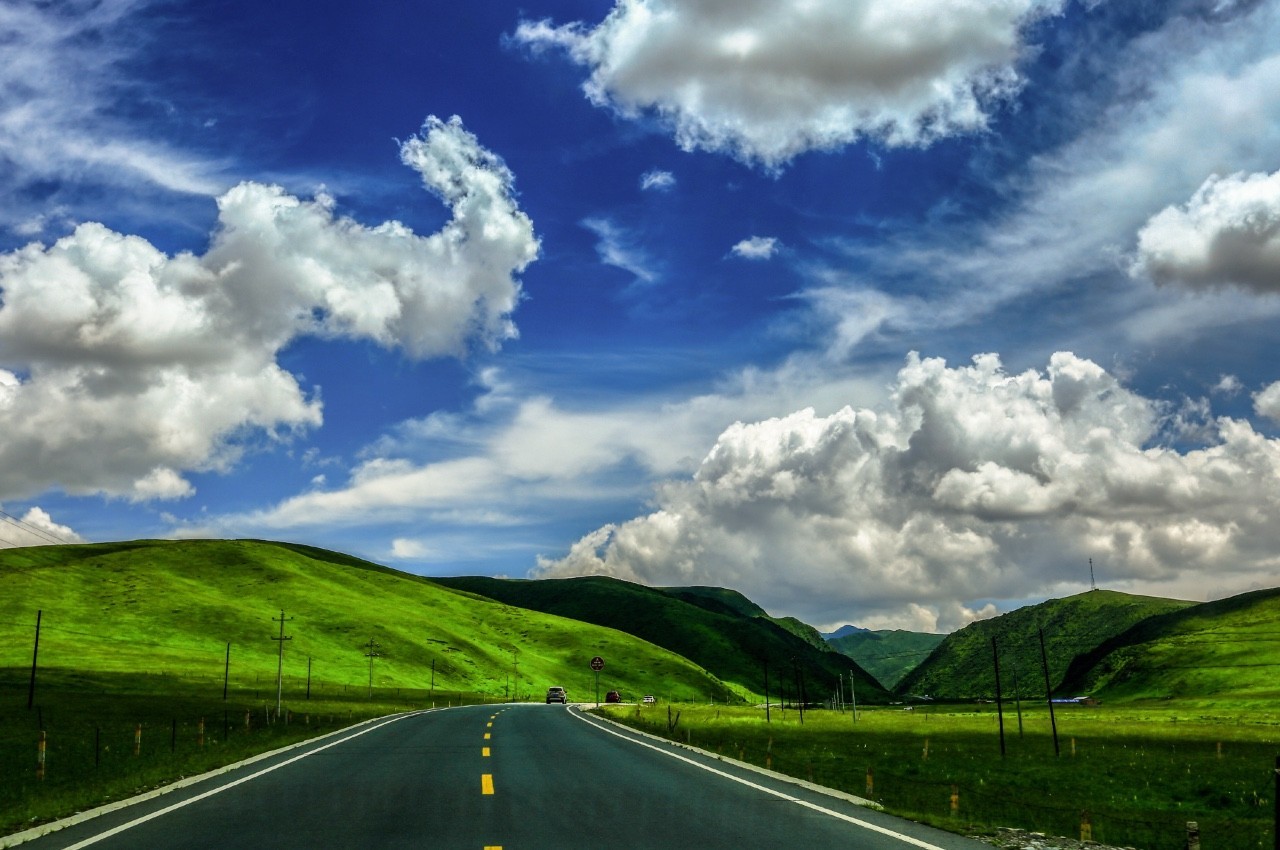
point(597, 664)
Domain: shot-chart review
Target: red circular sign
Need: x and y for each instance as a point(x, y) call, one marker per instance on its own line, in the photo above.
point(597, 664)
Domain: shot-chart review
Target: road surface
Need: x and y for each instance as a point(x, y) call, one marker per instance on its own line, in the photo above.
point(515, 777)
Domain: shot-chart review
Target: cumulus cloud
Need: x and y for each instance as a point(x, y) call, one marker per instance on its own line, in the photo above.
point(1267, 402)
point(1227, 234)
point(123, 366)
point(764, 81)
point(657, 181)
point(756, 248)
point(35, 528)
point(971, 484)
point(1199, 96)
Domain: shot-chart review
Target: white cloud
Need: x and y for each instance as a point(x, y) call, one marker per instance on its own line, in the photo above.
point(126, 366)
point(765, 81)
point(1227, 234)
point(616, 246)
point(62, 85)
point(972, 484)
point(520, 458)
point(1267, 402)
point(406, 549)
point(756, 248)
point(1202, 97)
point(657, 181)
point(35, 528)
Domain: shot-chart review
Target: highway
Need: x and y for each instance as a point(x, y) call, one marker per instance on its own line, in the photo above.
point(514, 777)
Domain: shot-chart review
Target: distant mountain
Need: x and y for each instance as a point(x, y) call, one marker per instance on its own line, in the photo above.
point(1229, 648)
point(887, 654)
point(843, 631)
point(961, 666)
point(732, 636)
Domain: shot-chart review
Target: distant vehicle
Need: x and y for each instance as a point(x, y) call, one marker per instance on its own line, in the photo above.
point(556, 694)
point(613, 696)
point(649, 699)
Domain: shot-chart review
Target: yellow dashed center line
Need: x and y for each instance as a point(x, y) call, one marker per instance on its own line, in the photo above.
point(486, 783)
point(484, 751)
point(487, 736)
point(493, 847)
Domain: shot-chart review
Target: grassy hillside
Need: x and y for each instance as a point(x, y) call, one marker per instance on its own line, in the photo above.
point(724, 638)
point(1223, 650)
point(887, 654)
point(722, 600)
point(172, 607)
point(961, 667)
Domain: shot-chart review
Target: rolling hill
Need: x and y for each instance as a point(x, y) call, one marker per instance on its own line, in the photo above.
point(173, 606)
point(887, 654)
point(1227, 649)
point(961, 667)
point(721, 631)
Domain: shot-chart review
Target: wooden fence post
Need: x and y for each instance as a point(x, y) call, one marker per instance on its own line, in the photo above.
point(1193, 835)
point(137, 739)
point(1086, 827)
point(955, 800)
point(871, 782)
point(40, 752)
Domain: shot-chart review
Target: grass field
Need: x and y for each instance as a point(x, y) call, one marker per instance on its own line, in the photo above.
point(1139, 772)
point(92, 722)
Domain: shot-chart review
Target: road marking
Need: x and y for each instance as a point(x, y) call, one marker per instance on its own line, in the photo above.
point(486, 783)
point(489, 725)
point(484, 751)
point(493, 847)
point(94, 839)
point(487, 736)
point(915, 842)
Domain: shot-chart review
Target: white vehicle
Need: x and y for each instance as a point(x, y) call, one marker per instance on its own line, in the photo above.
point(649, 699)
point(556, 694)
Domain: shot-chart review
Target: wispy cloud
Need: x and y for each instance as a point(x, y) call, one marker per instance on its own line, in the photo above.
point(63, 81)
point(618, 247)
point(657, 181)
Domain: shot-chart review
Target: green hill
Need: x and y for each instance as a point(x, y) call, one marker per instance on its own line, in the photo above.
point(887, 654)
point(961, 667)
point(173, 606)
point(718, 631)
point(1227, 649)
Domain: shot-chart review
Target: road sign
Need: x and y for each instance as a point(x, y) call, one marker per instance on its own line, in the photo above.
point(597, 663)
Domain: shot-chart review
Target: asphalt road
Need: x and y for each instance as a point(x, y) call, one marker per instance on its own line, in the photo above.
point(515, 777)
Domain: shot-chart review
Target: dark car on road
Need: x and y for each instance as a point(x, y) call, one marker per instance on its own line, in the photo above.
point(556, 694)
point(613, 696)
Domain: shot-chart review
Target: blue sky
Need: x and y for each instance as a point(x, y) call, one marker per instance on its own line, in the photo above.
point(878, 313)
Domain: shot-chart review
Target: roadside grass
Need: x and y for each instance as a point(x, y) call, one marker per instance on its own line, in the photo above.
point(1138, 773)
point(91, 720)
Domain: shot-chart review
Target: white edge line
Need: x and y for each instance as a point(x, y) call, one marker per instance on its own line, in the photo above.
point(41, 831)
point(805, 803)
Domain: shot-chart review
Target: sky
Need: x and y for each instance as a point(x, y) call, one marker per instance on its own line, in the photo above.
point(893, 314)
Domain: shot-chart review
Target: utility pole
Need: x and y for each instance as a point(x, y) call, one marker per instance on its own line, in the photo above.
point(1093, 585)
point(31, 694)
point(767, 719)
point(308, 677)
point(515, 675)
point(1048, 694)
point(373, 653)
point(433, 681)
point(854, 697)
point(226, 672)
point(280, 659)
point(995, 655)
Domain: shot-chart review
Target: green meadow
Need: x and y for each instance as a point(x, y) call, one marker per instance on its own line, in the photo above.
point(1136, 774)
point(150, 633)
